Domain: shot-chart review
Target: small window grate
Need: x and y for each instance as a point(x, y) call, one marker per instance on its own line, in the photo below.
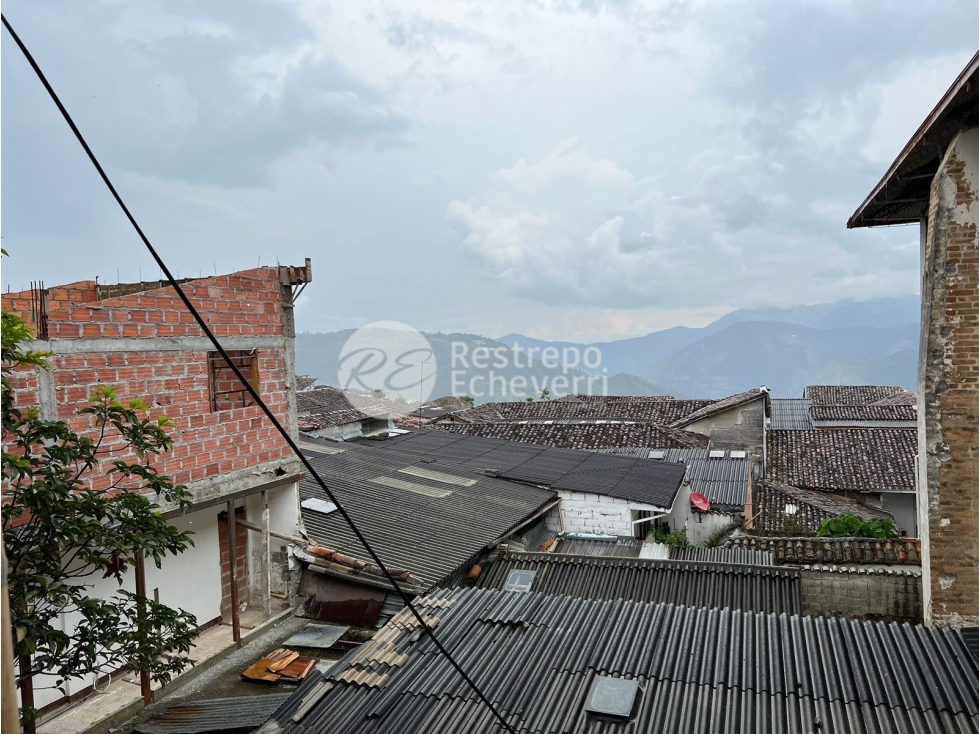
point(226, 389)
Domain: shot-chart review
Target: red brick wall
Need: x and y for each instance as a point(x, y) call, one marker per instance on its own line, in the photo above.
point(241, 561)
point(175, 384)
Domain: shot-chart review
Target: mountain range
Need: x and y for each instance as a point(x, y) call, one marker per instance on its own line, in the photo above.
point(847, 342)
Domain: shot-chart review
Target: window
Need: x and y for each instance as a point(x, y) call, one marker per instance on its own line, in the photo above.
point(227, 392)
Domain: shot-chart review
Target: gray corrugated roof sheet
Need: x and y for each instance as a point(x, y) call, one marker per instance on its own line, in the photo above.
point(621, 547)
point(702, 671)
point(428, 535)
point(748, 556)
point(791, 414)
point(721, 479)
point(844, 459)
point(648, 481)
point(735, 586)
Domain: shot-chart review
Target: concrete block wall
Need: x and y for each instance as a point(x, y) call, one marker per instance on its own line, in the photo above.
point(583, 512)
point(948, 388)
point(859, 593)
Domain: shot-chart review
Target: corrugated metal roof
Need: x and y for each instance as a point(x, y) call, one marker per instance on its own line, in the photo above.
point(429, 534)
point(217, 715)
point(735, 586)
point(621, 547)
point(648, 482)
point(791, 414)
point(721, 479)
point(705, 671)
point(749, 556)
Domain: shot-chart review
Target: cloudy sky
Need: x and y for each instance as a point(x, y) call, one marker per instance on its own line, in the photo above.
point(576, 170)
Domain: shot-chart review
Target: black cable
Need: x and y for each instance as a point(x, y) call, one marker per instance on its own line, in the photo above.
point(248, 386)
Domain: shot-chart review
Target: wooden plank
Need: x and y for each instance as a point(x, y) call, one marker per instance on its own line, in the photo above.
point(260, 671)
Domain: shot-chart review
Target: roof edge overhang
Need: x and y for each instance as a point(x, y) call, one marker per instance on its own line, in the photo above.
point(865, 216)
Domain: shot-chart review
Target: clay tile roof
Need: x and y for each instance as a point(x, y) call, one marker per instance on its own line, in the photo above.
point(850, 394)
point(656, 409)
point(769, 500)
point(721, 405)
point(588, 436)
point(900, 398)
point(844, 459)
point(304, 382)
point(871, 412)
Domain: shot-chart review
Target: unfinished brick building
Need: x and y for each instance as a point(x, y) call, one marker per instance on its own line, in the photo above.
point(935, 182)
point(140, 339)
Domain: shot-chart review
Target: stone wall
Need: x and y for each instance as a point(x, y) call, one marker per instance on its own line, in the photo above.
point(948, 389)
point(890, 595)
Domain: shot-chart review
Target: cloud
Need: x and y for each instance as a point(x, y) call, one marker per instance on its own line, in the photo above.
point(562, 166)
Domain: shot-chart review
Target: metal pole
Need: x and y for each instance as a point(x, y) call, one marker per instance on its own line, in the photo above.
point(144, 675)
point(232, 558)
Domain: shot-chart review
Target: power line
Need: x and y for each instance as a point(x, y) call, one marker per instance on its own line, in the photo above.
point(246, 383)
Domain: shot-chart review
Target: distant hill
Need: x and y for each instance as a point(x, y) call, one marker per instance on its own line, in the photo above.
point(318, 355)
point(848, 342)
point(787, 357)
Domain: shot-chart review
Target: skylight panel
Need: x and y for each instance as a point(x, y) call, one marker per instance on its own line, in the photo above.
point(520, 581)
point(396, 483)
point(317, 505)
point(614, 697)
point(437, 476)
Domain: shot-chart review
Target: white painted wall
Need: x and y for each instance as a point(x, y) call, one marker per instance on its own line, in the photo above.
point(283, 518)
point(700, 526)
point(583, 512)
point(189, 581)
point(904, 507)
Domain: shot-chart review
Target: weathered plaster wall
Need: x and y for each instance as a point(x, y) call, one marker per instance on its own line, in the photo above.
point(742, 427)
point(861, 593)
point(948, 382)
point(700, 526)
